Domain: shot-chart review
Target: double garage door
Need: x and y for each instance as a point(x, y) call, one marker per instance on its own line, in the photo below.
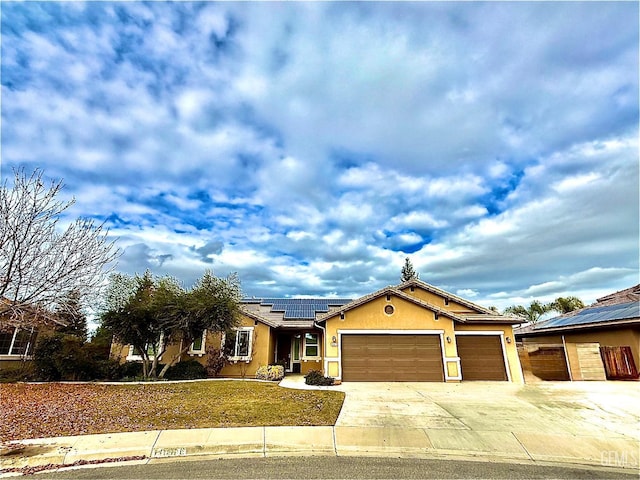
point(417, 358)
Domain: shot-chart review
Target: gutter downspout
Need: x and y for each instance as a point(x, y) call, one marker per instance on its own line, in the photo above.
point(566, 358)
point(324, 346)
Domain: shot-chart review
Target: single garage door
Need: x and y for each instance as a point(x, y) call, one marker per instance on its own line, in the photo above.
point(481, 357)
point(392, 358)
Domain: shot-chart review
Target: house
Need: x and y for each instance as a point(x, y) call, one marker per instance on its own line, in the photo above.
point(18, 333)
point(593, 343)
point(409, 332)
point(16, 346)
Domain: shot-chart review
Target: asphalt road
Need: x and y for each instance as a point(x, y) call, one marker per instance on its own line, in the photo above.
point(334, 468)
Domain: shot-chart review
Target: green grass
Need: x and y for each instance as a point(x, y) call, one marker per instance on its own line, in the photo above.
point(55, 409)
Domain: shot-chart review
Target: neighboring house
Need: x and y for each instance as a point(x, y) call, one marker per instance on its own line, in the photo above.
point(16, 345)
point(410, 332)
point(593, 343)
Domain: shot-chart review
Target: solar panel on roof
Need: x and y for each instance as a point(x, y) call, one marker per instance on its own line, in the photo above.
point(594, 315)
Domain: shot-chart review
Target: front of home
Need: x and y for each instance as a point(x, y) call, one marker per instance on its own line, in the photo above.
point(409, 332)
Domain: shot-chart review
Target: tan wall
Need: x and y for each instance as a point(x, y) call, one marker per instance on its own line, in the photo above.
point(371, 316)
point(513, 359)
point(261, 353)
point(437, 300)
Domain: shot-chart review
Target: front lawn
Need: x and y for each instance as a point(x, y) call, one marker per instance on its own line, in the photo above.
point(55, 409)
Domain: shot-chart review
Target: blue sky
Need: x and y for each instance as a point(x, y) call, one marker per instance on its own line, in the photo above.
point(311, 147)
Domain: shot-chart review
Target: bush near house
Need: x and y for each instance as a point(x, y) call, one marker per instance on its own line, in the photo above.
point(315, 377)
point(270, 372)
point(187, 370)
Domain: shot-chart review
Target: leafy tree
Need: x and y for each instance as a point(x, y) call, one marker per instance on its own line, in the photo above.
point(408, 272)
point(40, 263)
point(212, 304)
point(141, 318)
point(531, 314)
point(157, 312)
point(566, 304)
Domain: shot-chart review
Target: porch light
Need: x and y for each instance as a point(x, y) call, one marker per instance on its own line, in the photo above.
point(334, 339)
point(448, 339)
point(508, 339)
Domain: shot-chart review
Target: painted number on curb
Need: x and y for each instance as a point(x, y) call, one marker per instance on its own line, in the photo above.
point(169, 452)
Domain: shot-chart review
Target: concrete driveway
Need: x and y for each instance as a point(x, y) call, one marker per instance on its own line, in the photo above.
point(578, 408)
point(589, 422)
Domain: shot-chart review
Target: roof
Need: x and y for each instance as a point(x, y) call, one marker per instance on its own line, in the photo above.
point(290, 312)
point(414, 282)
point(617, 309)
point(480, 315)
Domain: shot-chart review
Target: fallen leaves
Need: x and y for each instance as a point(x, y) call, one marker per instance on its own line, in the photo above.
point(62, 409)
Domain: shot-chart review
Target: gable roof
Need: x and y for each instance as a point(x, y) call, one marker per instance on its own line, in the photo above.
point(390, 290)
point(482, 315)
point(617, 309)
point(414, 282)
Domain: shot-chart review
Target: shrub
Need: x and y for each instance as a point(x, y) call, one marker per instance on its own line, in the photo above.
point(44, 357)
point(215, 361)
point(107, 370)
point(270, 372)
point(24, 372)
point(131, 370)
point(187, 370)
point(315, 377)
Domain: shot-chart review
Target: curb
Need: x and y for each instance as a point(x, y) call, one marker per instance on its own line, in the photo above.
point(181, 445)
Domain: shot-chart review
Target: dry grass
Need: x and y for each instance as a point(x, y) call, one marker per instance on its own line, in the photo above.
point(54, 409)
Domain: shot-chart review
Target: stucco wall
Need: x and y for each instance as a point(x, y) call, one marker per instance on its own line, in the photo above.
point(409, 316)
point(371, 316)
point(437, 300)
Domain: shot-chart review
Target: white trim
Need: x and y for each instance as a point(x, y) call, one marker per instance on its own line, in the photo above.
point(203, 346)
point(28, 350)
point(303, 356)
point(243, 358)
point(502, 344)
point(440, 333)
point(138, 358)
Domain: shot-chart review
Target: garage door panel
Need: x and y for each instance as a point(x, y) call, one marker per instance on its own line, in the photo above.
point(481, 357)
point(385, 358)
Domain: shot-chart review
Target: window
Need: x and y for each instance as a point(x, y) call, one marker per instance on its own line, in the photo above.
point(237, 343)
point(198, 345)
point(311, 345)
point(136, 355)
point(18, 342)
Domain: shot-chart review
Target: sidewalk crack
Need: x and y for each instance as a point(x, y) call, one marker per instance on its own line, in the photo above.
point(155, 442)
point(522, 445)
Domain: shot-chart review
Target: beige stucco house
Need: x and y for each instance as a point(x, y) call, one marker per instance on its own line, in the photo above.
point(409, 332)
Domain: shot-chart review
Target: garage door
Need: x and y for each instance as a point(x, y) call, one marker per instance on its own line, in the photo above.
point(481, 357)
point(392, 358)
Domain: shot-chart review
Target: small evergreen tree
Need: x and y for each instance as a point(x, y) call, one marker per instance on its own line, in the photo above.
point(408, 272)
point(69, 312)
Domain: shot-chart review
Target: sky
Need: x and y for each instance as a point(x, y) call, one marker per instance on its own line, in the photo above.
point(312, 147)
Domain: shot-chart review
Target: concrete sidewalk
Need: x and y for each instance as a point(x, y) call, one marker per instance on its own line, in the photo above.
point(594, 423)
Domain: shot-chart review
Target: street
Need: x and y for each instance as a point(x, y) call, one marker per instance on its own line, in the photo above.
point(334, 468)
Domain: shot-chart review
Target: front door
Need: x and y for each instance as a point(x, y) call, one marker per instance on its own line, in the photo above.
point(295, 353)
point(283, 351)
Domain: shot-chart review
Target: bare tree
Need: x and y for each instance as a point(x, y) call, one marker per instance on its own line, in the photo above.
point(39, 264)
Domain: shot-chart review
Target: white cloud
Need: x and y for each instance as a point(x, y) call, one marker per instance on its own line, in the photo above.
point(314, 143)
